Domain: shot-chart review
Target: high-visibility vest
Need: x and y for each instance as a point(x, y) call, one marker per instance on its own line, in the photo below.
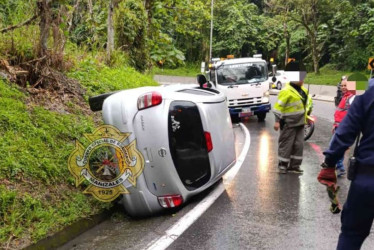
point(289, 105)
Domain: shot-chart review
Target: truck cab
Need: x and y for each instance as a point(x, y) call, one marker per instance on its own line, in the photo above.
point(245, 84)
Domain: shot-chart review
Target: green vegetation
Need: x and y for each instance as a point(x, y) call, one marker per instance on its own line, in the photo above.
point(330, 76)
point(102, 79)
point(187, 70)
point(37, 195)
point(37, 192)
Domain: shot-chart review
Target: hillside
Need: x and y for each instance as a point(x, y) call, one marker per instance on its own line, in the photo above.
point(38, 129)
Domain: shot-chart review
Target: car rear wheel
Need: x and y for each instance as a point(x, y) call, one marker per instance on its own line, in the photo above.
point(279, 85)
point(261, 117)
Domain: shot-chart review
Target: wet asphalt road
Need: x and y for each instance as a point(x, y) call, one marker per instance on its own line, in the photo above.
point(260, 209)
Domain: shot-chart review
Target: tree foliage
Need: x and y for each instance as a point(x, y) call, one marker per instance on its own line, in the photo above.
point(171, 32)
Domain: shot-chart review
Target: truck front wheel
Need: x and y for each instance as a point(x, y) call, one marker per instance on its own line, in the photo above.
point(261, 117)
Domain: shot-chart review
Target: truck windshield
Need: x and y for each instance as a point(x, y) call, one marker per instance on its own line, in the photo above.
point(242, 73)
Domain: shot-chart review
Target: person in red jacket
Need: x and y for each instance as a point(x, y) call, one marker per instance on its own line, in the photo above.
point(340, 113)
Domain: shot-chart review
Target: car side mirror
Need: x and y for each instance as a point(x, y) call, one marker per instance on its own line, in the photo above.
point(201, 79)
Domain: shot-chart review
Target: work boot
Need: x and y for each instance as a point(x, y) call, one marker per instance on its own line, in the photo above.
point(296, 170)
point(282, 169)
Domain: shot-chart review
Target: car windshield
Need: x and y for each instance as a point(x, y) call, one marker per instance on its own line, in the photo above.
point(242, 73)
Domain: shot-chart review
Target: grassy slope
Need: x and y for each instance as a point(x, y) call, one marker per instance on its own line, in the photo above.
point(37, 192)
point(332, 77)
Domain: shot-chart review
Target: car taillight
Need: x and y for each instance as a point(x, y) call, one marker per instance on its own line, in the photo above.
point(170, 200)
point(208, 140)
point(148, 100)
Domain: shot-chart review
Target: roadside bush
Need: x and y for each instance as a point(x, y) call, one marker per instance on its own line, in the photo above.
point(37, 194)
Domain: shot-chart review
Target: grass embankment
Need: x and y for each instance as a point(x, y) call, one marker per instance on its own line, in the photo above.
point(331, 77)
point(38, 196)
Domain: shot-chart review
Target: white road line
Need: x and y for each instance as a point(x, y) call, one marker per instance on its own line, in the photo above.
point(173, 232)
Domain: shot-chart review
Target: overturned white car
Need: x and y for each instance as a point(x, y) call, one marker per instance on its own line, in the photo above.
point(184, 135)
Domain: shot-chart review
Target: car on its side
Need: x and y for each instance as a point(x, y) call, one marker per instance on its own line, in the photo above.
point(183, 132)
point(280, 79)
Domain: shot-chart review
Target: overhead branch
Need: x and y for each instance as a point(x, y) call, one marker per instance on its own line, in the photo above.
point(27, 22)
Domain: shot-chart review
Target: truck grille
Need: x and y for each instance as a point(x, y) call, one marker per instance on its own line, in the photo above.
point(244, 102)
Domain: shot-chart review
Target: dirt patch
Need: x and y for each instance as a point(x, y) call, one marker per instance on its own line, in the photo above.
point(60, 94)
point(48, 88)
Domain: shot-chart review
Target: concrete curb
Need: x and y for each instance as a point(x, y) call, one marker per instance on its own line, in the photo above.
point(70, 232)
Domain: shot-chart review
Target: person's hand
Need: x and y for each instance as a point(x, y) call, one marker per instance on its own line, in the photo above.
point(276, 126)
point(333, 130)
point(327, 176)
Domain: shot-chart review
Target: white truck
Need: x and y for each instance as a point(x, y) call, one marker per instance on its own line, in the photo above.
point(245, 84)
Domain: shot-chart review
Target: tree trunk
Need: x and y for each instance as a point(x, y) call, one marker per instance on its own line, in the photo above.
point(44, 25)
point(148, 4)
point(110, 42)
point(315, 53)
point(287, 38)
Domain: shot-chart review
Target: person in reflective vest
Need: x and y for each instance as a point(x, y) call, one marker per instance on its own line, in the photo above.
point(291, 110)
point(340, 113)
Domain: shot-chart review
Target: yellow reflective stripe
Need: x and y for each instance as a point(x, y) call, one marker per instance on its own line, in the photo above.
point(289, 109)
point(289, 104)
point(293, 113)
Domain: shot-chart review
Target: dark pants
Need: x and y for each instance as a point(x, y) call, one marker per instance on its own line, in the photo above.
point(358, 212)
point(290, 146)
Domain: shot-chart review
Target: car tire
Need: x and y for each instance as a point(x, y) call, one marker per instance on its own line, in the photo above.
point(308, 130)
point(279, 85)
point(261, 117)
point(235, 118)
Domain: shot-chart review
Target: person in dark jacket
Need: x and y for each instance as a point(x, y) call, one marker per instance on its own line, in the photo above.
point(358, 211)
